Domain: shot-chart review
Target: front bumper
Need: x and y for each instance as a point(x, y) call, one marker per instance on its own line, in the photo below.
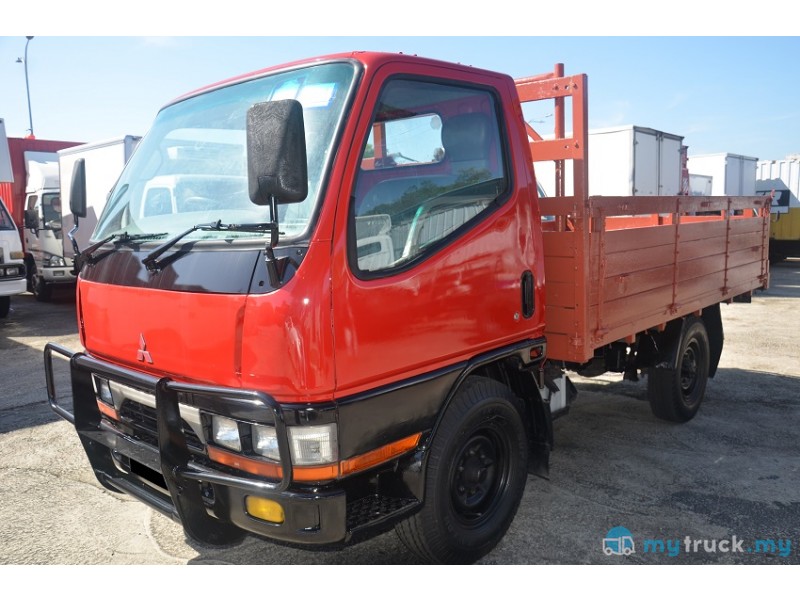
point(171, 472)
point(11, 285)
point(59, 275)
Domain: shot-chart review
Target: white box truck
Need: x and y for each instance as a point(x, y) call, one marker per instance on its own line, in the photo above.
point(783, 177)
point(732, 174)
point(104, 161)
point(12, 265)
point(629, 160)
point(44, 257)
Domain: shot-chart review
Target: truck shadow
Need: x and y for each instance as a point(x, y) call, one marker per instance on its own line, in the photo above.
point(614, 460)
point(729, 471)
point(23, 401)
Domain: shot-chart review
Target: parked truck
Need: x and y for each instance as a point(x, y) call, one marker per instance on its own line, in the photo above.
point(321, 302)
point(783, 178)
point(12, 267)
point(630, 160)
point(48, 246)
point(32, 198)
point(731, 174)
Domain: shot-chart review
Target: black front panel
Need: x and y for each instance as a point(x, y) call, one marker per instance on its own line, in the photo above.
point(370, 420)
point(211, 271)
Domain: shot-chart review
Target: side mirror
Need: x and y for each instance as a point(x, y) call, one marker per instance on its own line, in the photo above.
point(31, 219)
point(77, 190)
point(276, 153)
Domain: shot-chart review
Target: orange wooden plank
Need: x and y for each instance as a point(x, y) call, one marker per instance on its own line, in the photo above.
point(560, 294)
point(629, 284)
point(624, 240)
point(699, 230)
point(557, 268)
point(643, 259)
point(559, 243)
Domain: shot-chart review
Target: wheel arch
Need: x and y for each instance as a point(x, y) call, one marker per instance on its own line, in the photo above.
point(519, 368)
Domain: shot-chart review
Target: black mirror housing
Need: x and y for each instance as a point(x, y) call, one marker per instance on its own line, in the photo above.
point(31, 219)
point(276, 153)
point(77, 190)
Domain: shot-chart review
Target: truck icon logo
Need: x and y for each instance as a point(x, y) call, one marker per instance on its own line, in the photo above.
point(142, 355)
point(618, 541)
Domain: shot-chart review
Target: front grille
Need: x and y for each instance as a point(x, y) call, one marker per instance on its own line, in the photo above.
point(143, 423)
point(373, 508)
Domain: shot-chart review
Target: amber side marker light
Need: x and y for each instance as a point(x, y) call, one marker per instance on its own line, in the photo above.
point(322, 473)
point(107, 410)
point(379, 455)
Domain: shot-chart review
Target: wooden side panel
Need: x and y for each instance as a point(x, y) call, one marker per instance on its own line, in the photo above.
point(645, 270)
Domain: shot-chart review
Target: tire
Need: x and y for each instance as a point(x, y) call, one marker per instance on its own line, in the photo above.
point(675, 394)
point(475, 478)
point(40, 289)
point(5, 306)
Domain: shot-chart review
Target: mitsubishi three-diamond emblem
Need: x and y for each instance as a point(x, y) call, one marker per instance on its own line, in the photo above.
point(142, 355)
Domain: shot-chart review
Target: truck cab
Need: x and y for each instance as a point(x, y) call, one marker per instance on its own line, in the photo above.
point(48, 268)
point(12, 265)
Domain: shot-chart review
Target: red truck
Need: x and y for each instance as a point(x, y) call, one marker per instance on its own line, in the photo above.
point(325, 300)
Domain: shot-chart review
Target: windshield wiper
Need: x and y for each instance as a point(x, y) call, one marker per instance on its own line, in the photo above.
point(152, 262)
point(87, 256)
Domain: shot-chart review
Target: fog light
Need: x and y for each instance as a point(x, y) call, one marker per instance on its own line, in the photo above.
point(266, 510)
point(316, 445)
point(225, 432)
point(265, 442)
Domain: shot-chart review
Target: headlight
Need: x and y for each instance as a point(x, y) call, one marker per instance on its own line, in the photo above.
point(265, 442)
point(56, 261)
point(225, 432)
point(315, 445)
point(10, 271)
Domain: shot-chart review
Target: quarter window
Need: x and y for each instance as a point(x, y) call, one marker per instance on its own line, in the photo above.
point(431, 165)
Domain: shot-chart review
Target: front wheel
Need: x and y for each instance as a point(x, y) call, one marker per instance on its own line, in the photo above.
point(40, 288)
point(675, 394)
point(476, 474)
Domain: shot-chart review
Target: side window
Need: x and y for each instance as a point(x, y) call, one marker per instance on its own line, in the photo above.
point(32, 212)
point(432, 163)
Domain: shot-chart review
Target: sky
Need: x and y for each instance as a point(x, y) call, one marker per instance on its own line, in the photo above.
point(734, 94)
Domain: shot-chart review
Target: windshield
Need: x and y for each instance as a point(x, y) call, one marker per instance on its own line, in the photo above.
point(192, 166)
point(6, 224)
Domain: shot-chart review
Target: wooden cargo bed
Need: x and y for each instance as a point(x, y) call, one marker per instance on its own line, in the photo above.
point(610, 275)
point(617, 266)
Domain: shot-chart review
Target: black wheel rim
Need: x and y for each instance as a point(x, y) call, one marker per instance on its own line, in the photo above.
point(689, 369)
point(480, 476)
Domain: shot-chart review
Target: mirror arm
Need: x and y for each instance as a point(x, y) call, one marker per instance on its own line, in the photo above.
point(275, 269)
point(76, 262)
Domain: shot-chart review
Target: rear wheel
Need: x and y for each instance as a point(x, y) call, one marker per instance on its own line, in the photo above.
point(476, 474)
point(5, 306)
point(676, 394)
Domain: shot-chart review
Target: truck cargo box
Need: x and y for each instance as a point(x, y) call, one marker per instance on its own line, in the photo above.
point(626, 161)
point(732, 174)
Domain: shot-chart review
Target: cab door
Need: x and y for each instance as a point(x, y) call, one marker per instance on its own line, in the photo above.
point(430, 254)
